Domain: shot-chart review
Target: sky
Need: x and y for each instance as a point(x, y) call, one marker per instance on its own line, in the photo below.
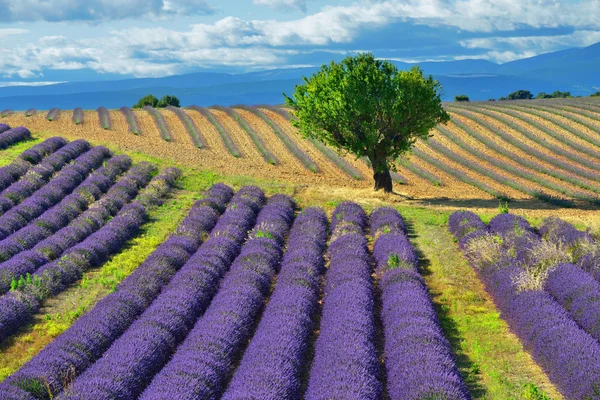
point(50, 40)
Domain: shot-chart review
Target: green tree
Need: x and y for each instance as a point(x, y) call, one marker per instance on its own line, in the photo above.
point(520, 95)
point(148, 100)
point(168, 101)
point(560, 95)
point(461, 97)
point(543, 95)
point(597, 94)
point(369, 108)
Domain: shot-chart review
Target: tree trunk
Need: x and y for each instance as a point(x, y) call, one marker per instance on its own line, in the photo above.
point(383, 180)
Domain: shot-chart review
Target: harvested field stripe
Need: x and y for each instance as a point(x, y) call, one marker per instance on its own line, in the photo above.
point(578, 172)
point(459, 175)
point(513, 169)
point(78, 116)
point(417, 170)
point(30, 112)
point(326, 151)
point(104, 118)
point(159, 120)
point(287, 141)
point(53, 114)
point(528, 120)
point(131, 120)
point(537, 111)
point(575, 158)
point(258, 143)
point(190, 126)
point(589, 110)
point(555, 109)
point(233, 150)
point(505, 180)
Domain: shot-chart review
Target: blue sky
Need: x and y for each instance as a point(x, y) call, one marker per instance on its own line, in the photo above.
point(49, 40)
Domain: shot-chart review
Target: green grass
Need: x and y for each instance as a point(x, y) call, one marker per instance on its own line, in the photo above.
point(490, 358)
point(8, 155)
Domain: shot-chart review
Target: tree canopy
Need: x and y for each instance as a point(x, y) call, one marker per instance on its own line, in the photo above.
point(151, 100)
point(461, 97)
point(368, 108)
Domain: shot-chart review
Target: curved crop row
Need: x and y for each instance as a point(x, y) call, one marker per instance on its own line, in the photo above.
point(345, 363)
point(258, 142)
point(53, 114)
point(53, 192)
point(550, 159)
point(569, 356)
point(131, 120)
point(202, 364)
point(273, 362)
point(95, 331)
point(30, 112)
point(190, 127)
point(418, 358)
point(39, 175)
point(459, 174)
point(4, 128)
point(12, 172)
point(553, 110)
point(78, 116)
point(18, 306)
point(526, 119)
point(57, 217)
point(160, 123)
point(231, 147)
point(516, 170)
point(146, 346)
point(417, 170)
point(104, 118)
point(500, 178)
point(553, 149)
point(14, 135)
point(513, 112)
point(287, 141)
point(326, 151)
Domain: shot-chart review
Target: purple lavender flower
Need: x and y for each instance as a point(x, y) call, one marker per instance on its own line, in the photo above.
point(12, 136)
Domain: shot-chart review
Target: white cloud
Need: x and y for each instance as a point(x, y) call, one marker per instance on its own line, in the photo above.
point(98, 10)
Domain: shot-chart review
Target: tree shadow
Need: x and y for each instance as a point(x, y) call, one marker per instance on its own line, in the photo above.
point(468, 369)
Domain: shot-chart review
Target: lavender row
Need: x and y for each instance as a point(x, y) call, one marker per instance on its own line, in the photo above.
point(67, 210)
point(4, 127)
point(62, 184)
point(130, 363)
point(91, 335)
point(204, 362)
point(37, 176)
point(91, 220)
point(225, 137)
point(569, 356)
point(418, 358)
point(78, 116)
point(190, 126)
point(14, 135)
point(345, 364)
point(47, 250)
point(160, 123)
point(15, 170)
point(6, 112)
point(287, 141)
point(53, 114)
point(258, 142)
point(131, 120)
point(17, 306)
point(30, 112)
point(272, 365)
point(104, 118)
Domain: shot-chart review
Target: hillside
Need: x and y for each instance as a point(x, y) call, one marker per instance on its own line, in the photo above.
point(545, 151)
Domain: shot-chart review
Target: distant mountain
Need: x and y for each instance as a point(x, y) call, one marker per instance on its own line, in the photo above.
point(574, 70)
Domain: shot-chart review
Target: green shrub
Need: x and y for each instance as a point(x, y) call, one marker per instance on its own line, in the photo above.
point(461, 97)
